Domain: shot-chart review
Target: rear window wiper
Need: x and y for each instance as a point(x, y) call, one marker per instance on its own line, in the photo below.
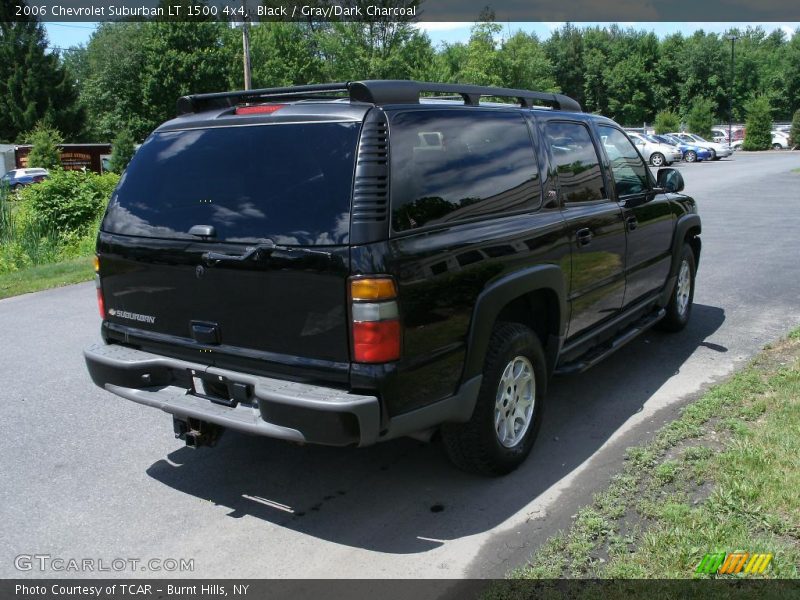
point(264, 250)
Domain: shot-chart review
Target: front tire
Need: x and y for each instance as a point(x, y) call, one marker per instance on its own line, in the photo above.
point(679, 308)
point(713, 154)
point(657, 159)
point(508, 412)
point(777, 147)
point(690, 156)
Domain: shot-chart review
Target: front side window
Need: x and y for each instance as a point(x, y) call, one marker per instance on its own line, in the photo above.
point(630, 172)
point(576, 160)
point(452, 165)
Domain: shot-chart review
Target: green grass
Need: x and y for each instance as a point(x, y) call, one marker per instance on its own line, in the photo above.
point(42, 277)
point(724, 477)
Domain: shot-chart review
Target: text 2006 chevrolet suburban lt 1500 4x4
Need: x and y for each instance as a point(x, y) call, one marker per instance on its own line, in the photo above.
point(347, 263)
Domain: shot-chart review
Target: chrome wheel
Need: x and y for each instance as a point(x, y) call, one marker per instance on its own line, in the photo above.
point(657, 159)
point(684, 288)
point(691, 156)
point(514, 404)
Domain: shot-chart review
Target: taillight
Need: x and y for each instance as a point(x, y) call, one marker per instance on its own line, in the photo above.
point(101, 304)
point(259, 109)
point(376, 323)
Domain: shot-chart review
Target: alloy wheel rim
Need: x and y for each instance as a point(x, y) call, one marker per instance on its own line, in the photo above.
point(684, 287)
point(515, 402)
point(657, 160)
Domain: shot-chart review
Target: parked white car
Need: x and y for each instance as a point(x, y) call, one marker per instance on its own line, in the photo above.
point(717, 150)
point(653, 151)
point(780, 141)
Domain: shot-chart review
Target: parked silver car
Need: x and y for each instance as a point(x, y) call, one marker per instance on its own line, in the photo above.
point(653, 151)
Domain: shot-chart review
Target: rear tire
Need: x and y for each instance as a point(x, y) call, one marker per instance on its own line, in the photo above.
point(690, 157)
point(714, 154)
point(777, 147)
point(508, 412)
point(679, 309)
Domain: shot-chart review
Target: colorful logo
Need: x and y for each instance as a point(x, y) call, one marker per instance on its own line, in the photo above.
point(735, 562)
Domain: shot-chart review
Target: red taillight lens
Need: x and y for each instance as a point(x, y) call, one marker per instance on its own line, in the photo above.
point(376, 325)
point(259, 109)
point(376, 342)
point(101, 304)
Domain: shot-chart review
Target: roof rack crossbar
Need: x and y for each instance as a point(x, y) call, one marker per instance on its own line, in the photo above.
point(378, 92)
point(197, 102)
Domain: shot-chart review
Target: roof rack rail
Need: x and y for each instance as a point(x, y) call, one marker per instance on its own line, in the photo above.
point(376, 92)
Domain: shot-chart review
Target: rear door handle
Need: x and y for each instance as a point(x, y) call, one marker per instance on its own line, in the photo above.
point(583, 236)
point(632, 223)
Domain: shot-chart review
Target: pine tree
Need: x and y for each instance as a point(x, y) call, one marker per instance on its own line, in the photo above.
point(46, 146)
point(122, 151)
point(34, 85)
point(759, 125)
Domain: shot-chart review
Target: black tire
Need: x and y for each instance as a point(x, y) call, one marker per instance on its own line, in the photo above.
point(657, 159)
point(777, 147)
point(18, 187)
point(678, 313)
point(474, 446)
point(713, 154)
point(690, 156)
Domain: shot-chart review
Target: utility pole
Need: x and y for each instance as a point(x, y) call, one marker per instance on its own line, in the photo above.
point(248, 83)
point(733, 39)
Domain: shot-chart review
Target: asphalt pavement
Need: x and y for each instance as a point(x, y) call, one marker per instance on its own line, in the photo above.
point(87, 475)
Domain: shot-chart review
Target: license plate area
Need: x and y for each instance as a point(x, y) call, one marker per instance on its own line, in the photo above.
point(219, 389)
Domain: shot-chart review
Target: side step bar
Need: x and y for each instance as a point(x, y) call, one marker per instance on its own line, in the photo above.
point(598, 353)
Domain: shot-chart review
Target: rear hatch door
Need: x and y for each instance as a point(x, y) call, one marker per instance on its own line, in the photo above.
point(230, 245)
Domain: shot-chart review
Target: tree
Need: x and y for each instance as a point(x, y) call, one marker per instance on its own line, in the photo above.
point(667, 122)
point(34, 85)
point(46, 146)
point(524, 64)
point(794, 132)
point(700, 118)
point(564, 49)
point(758, 134)
point(122, 151)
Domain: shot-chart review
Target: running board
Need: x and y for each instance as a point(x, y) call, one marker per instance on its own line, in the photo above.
point(598, 353)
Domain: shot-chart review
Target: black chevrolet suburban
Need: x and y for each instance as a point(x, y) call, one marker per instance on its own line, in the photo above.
point(348, 263)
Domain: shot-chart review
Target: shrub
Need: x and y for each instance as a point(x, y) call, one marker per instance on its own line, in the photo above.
point(700, 118)
point(667, 122)
point(122, 152)
point(46, 142)
point(758, 133)
point(69, 202)
point(794, 132)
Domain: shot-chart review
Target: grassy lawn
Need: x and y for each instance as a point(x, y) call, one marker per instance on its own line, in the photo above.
point(724, 477)
point(42, 277)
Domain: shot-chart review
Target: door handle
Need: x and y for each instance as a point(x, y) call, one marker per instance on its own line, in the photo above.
point(583, 236)
point(632, 223)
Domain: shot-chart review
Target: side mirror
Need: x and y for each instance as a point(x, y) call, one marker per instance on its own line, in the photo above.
point(670, 180)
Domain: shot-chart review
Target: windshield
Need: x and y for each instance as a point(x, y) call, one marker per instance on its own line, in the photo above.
point(290, 183)
point(698, 138)
point(652, 138)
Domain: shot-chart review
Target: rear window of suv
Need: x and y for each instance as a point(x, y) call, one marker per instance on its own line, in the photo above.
point(290, 183)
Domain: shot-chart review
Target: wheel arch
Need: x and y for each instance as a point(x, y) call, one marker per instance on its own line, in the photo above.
point(535, 297)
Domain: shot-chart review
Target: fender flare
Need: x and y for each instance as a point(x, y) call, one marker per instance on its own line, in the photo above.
point(500, 293)
point(682, 227)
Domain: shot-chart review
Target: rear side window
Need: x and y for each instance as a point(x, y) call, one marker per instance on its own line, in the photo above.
point(575, 158)
point(290, 183)
point(454, 165)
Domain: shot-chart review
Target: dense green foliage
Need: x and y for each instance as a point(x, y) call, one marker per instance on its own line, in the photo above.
point(34, 84)
point(69, 201)
point(794, 132)
point(700, 118)
point(759, 125)
point(122, 151)
point(130, 74)
point(53, 220)
point(45, 151)
point(667, 122)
